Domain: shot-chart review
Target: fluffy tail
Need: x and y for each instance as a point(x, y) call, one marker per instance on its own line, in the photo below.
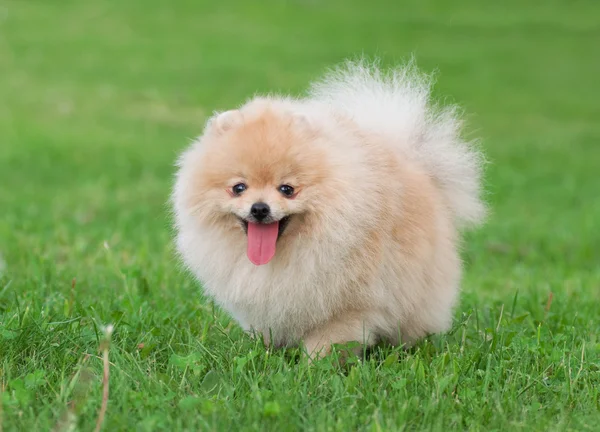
point(398, 103)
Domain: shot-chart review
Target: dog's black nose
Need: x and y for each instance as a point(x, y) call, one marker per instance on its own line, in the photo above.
point(260, 210)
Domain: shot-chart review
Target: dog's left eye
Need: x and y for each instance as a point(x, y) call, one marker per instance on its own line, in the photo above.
point(286, 190)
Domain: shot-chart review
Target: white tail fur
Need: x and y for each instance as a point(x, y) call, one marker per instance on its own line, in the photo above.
point(398, 103)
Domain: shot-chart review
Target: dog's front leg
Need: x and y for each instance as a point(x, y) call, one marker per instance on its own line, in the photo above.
point(350, 327)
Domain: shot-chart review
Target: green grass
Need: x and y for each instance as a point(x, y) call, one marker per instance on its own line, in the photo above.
point(98, 97)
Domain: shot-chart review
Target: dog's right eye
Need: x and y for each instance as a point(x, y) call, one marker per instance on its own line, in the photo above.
point(238, 189)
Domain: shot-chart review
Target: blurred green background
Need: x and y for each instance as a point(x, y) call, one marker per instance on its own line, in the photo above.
point(98, 97)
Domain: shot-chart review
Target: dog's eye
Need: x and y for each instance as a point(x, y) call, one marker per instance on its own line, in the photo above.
point(286, 190)
point(239, 188)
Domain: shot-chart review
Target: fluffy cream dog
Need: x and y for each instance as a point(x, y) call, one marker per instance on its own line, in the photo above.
point(332, 218)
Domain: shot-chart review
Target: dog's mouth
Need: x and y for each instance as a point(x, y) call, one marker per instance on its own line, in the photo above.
point(283, 223)
point(262, 238)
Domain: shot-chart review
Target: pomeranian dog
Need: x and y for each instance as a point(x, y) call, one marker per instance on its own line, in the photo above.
point(335, 217)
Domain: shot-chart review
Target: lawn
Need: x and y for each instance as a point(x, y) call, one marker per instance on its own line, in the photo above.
point(98, 97)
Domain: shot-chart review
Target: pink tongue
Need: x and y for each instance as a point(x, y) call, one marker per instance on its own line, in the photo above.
point(261, 242)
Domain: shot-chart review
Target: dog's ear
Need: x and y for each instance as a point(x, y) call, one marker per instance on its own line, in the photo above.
point(225, 121)
point(302, 123)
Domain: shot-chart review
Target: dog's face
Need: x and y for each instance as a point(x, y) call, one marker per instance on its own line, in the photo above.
point(260, 175)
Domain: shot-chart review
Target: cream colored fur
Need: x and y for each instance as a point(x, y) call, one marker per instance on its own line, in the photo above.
point(371, 250)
